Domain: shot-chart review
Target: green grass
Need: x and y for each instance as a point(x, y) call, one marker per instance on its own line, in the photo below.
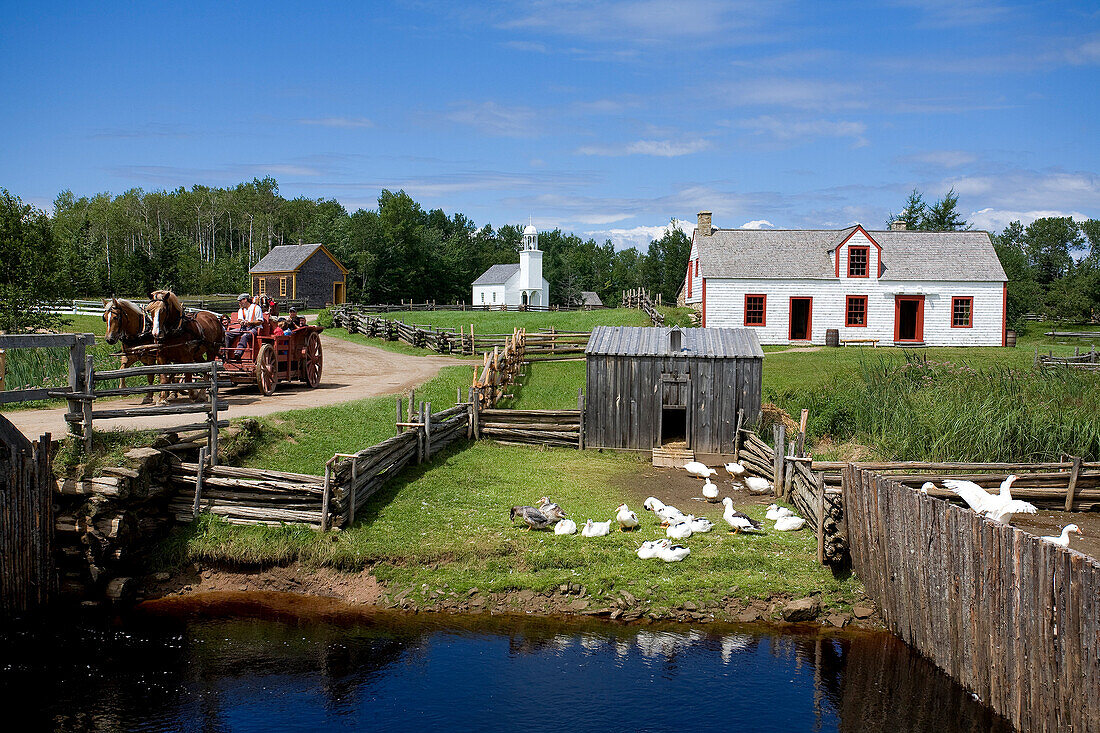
point(550, 385)
point(446, 523)
point(498, 322)
point(397, 347)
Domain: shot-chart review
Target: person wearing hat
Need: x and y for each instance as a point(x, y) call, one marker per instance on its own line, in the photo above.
point(294, 319)
point(249, 318)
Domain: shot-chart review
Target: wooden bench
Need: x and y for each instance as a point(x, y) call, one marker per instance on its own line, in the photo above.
point(873, 342)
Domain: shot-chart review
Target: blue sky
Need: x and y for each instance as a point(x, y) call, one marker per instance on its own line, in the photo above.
point(607, 119)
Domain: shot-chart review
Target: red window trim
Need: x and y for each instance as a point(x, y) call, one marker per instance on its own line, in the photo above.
point(762, 323)
point(689, 280)
point(867, 262)
point(696, 267)
point(955, 298)
point(878, 251)
point(809, 318)
point(704, 302)
point(847, 300)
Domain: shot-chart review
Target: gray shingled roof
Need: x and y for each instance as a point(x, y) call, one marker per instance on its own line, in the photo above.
point(285, 257)
point(497, 274)
point(590, 298)
point(696, 342)
point(804, 254)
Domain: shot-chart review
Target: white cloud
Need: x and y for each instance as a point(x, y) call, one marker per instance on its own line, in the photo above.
point(639, 236)
point(1026, 190)
point(347, 123)
point(941, 158)
point(994, 220)
point(813, 94)
point(494, 119)
point(801, 130)
point(956, 13)
point(1087, 52)
point(657, 148)
point(758, 224)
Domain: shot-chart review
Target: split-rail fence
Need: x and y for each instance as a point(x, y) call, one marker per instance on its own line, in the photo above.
point(1013, 618)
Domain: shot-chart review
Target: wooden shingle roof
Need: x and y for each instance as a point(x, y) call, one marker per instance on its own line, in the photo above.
point(700, 343)
point(497, 274)
point(289, 257)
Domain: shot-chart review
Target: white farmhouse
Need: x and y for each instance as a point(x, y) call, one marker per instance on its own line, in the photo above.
point(905, 288)
point(518, 283)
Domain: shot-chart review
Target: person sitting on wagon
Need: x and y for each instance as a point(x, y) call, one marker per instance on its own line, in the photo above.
point(282, 328)
point(294, 319)
point(249, 317)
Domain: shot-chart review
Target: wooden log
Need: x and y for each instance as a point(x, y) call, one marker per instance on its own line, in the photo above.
point(1072, 487)
point(156, 369)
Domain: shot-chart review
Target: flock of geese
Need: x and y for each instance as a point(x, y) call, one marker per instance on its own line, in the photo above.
point(677, 524)
point(999, 507)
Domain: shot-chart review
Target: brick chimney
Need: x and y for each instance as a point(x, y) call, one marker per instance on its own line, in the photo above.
point(703, 227)
point(897, 225)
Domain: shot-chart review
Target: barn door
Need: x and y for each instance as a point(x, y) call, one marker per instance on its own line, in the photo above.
point(673, 421)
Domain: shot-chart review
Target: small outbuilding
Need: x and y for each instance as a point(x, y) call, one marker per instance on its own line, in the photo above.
point(649, 388)
point(306, 272)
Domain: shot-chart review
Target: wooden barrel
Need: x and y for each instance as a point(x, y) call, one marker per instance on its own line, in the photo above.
point(1010, 337)
point(832, 337)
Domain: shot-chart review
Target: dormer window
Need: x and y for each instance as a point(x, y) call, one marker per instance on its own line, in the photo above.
point(675, 340)
point(858, 261)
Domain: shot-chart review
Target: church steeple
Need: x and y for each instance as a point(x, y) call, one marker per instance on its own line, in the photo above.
point(530, 237)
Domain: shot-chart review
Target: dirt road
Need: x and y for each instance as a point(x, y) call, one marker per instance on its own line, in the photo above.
point(351, 371)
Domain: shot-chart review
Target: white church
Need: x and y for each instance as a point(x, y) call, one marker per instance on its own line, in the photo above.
point(519, 283)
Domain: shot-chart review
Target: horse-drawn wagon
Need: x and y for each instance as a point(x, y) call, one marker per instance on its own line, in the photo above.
point(271, 358)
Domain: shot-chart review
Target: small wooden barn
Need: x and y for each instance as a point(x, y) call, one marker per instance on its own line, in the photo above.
point(653, 387)
point(305, 272)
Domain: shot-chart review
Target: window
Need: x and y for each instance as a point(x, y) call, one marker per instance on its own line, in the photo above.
point(696, 268)
point(494, 296)
point(962, 312)
point(263, 286)
point(856, 310)
point(689, 280)
point(482, 296)
point(755, 310)
point(282, 287)
point(857, 261)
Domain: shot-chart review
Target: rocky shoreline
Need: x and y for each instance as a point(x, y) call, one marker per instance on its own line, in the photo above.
point(567, 599)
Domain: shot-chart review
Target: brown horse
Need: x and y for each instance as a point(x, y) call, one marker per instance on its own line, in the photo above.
point(128, 323)
point(182, 337)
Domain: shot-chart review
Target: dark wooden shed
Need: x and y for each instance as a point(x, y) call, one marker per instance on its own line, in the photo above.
point(653, 387)
point(305, 272)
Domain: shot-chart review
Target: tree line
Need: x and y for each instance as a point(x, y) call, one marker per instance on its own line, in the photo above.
point(203, 240)
point(1052, 264)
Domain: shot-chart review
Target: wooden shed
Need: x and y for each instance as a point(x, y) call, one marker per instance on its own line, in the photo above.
point(305, 272)
point(677, 388)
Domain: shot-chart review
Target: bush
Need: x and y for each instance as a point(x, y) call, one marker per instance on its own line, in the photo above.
point(324, 318)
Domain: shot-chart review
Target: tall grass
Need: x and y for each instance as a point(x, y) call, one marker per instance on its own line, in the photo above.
point(930, 410)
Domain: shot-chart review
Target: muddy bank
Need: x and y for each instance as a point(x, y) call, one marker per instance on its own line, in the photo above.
point(339, 592)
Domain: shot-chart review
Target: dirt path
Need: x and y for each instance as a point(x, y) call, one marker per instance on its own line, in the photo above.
point(351, 371)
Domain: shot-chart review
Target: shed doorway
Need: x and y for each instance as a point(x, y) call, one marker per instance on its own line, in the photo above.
point(672, 423)
point(674, 426)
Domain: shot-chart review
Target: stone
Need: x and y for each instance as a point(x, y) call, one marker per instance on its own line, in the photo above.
point(579, 605)
point(141, 456)
point(161, 577)
point(839, 620)
point(629, 598)
point(749, 615)
point(862, 612)
point(689, 606)
point(804, 609)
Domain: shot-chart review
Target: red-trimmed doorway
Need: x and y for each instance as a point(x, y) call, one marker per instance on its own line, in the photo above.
point(909, 318)
point(801, 319)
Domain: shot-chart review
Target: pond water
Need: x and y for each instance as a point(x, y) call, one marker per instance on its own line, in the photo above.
point(186, 669)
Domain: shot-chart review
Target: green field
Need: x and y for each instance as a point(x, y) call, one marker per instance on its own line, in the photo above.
point(502, 322)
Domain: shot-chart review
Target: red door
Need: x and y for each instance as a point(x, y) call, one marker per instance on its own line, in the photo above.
point(800, 325)
point(909, 318)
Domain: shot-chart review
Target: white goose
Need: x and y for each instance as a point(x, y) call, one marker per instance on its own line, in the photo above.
point(627, 519)
point(736, 469)
point(648, 550)
point(672, 553)
point(1062, 540)
point(665, 513)
point(700, 525)
point(775, 512)
point(695, 468)
point(789, 524)
point(757, 485)
point(679, 531)
point(565, 526)
point(998, 507)
point(710, 491)
point(596, 529)
point(736, 520)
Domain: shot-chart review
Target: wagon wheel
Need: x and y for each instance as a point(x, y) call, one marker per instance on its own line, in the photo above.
point(312, 361)
point(265, 369)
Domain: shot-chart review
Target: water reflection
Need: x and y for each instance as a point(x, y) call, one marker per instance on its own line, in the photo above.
point(199, 672)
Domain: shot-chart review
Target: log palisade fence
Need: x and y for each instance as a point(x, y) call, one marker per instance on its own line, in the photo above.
point(640, 298)
point(1011, 617)
point(1089, 361)
point(541, 344)
point(27, 574)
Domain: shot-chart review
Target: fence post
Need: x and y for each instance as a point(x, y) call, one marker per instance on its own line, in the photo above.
point(427, 413)
point(475, 412)
point(198, 484)
point(1072, 483)
point(780, 437)
point(580, 406)
point(420, 434)
point(737, 435)
point(213, 393)
point(819, 480)
point(3, 370)
point(326, 496)
point(86, 405)
point(353, 493)
point(76, 375)
point(398, 421)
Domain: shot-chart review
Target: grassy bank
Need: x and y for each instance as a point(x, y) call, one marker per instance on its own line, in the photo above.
point(496, 322)
point(446, 524)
